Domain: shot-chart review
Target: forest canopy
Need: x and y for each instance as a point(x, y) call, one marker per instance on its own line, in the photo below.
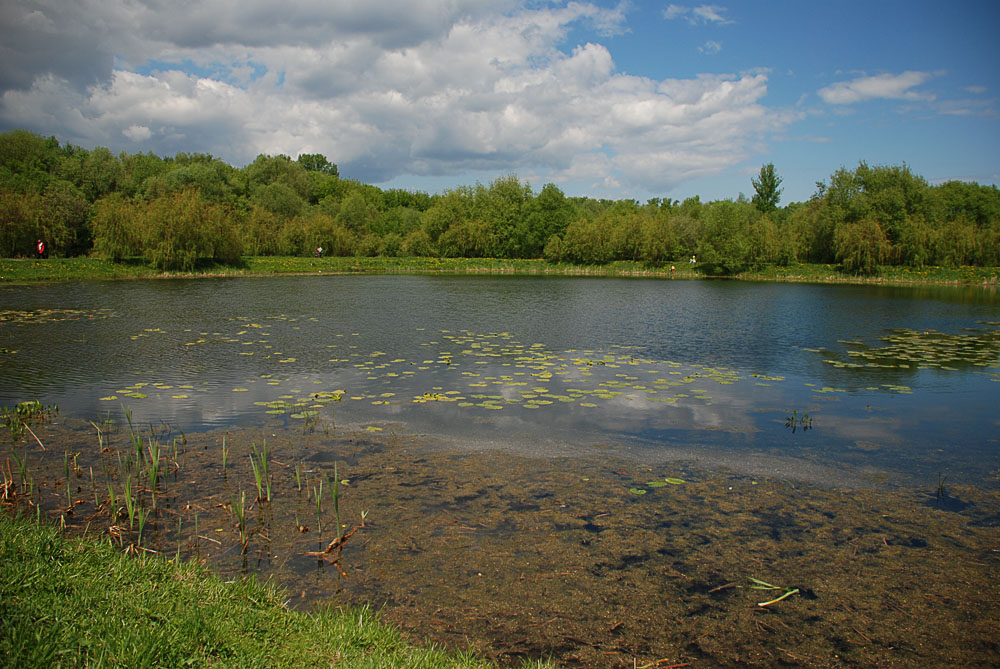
point(175, 212)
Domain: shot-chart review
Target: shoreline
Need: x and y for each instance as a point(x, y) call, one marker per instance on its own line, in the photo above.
point(29, 270)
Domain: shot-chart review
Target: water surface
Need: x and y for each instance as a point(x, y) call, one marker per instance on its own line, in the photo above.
point(787, 375)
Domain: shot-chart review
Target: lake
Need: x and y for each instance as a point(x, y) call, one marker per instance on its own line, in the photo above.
point(550, 365)
point(588, 469)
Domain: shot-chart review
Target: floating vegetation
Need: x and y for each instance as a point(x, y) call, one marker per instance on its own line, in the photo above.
point(925, 349)
point(25, 317)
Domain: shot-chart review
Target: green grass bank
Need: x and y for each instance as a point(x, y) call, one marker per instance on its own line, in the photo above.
point(82, 603)
point(19, 270)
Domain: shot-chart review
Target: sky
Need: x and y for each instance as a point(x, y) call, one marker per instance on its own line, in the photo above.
point(608, 99)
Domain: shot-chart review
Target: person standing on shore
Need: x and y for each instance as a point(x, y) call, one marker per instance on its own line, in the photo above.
point(40, 248)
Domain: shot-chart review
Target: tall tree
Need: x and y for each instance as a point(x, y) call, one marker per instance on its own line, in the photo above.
point(767, 187)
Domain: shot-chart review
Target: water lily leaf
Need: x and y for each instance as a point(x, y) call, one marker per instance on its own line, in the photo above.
point(673, 481)
point(637, 491)
point(656, 484)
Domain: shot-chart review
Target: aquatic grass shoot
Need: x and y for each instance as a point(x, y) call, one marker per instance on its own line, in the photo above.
point(260, 473)
point(240, 511)
point(142, 514)
point(318, 494)
point(129, 499)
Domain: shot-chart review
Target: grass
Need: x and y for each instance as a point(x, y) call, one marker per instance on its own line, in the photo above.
point(70, 603)
point(63, 269)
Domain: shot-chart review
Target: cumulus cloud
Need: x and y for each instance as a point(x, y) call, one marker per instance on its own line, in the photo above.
point(888, 86)
point(390, 88)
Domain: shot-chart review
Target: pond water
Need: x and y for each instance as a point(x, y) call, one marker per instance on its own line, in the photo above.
point(810, 380)
point(589, 470)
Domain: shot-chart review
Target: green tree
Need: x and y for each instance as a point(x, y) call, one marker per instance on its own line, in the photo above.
point(101, 173)
point(767, 189)
point(182, 228)
point(317, 162)
point(116, 228)
point(861, 246)
point(546, 215)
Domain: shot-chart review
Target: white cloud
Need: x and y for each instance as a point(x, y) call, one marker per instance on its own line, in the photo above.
point(474, 87)
point(889, 86)
point(137, 133)
point(711, 47)
point(697, 15)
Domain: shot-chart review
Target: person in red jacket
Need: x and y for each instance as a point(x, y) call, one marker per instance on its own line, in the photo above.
point(41, 248)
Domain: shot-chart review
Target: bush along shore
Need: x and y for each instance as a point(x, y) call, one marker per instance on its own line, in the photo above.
point(80, 602)
point(22, 270)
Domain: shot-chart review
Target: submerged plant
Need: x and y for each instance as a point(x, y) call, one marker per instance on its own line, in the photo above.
point(762, 585)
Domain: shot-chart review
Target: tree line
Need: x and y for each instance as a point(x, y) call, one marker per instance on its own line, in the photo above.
point(175, 212)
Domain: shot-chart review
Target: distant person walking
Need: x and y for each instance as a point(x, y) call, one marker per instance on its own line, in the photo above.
point(40, 248)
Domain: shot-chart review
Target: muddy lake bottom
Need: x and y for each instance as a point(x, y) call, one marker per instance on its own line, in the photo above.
point(596, 561)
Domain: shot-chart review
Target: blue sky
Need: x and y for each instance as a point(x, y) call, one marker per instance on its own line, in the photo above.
point(607, 99)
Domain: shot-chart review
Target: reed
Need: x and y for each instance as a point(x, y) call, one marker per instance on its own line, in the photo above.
point(178, 556)
point(134, 435)
point(225, 455)
point(129, 499)
point(22, 471)
point(141, 515)
point(69, 482)
point(260, 473)
point(113, 501)
point(153, 462)
point(240, 511)
point(100, 437)
point(318, 494)
point(335, 494)
point(941, 494)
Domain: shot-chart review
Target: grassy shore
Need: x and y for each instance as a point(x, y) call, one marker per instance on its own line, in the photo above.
point(64, 269)
point(76, 603)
